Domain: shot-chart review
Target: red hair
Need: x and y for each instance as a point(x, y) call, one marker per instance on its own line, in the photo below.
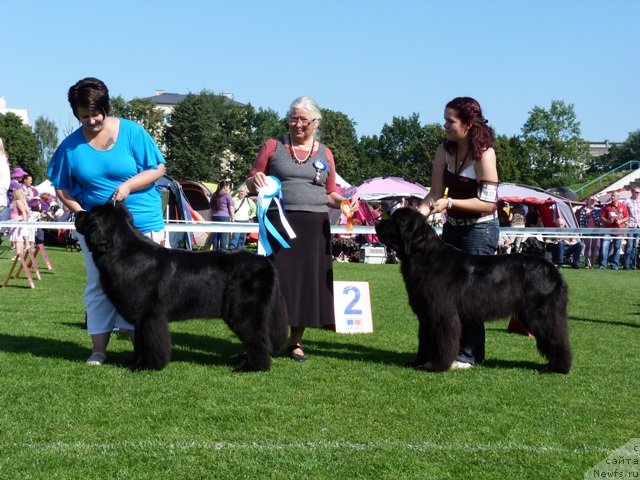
point(481, 135)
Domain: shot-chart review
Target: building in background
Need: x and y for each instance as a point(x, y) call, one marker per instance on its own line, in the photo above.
point(23, 113)
point(167, 101)
point(597, 149)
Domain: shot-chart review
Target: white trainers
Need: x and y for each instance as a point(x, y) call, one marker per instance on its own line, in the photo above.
point(97, 358)
point(456, 365)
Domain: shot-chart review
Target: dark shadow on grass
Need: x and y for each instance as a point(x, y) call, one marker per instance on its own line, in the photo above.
point(204, 350)
point(197, 349)
point(42, 347)
point(606, 322)
point(356, 352)
point(513, 364)
point(79, 325)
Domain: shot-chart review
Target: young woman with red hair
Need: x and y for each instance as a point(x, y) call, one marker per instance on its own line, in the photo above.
point(465, 184)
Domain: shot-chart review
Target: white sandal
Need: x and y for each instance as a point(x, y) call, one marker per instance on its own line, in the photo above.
point(97, 358)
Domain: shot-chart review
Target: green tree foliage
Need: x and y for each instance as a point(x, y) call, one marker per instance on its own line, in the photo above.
point(209, 139)
point(119, 107)
point(21, 145)
point(144, 112)
point(513, 166)
point(372, 164)
point(408, 148)
point(620, 154)
point(267, 124)
point(46, 133)
point(552, 144)
point(338, 132)
point(433, 137)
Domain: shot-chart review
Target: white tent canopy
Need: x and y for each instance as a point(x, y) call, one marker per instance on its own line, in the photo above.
point(46, 187)
point(380, 188)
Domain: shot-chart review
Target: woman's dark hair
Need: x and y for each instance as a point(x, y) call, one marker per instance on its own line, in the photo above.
point(218, 193)
point(481, 135)
point(89, 93)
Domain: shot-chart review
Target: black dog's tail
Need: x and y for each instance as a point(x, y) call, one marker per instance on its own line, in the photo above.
point(278, 320)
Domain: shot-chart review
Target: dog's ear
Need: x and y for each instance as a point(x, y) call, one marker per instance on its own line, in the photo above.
point(98, 234)
point(122, 214)
point(416, 228)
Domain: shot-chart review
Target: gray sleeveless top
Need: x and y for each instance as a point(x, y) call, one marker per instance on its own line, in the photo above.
point(298, 190)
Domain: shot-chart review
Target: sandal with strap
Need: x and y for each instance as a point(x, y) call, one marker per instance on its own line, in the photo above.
point(97, 358)
point(296, 356)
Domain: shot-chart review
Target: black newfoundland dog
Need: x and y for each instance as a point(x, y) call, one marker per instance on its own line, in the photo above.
point(151, 285)
point(448, 288)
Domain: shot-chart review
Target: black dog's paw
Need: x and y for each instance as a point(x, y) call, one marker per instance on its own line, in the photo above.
point(247, 367)
point(414, 363)
point(549, 368)
point(134, 365)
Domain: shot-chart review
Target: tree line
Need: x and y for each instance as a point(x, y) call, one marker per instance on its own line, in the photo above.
point(209, 138)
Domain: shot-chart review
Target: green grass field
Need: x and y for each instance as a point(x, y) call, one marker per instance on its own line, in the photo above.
point(353, 410)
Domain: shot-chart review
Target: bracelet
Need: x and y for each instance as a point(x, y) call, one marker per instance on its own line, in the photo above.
point(449, 203)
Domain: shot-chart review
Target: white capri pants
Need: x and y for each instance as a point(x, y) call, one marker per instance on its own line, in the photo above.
point(102, 316)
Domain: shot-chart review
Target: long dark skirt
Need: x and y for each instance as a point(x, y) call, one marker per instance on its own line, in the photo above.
point(305, 269)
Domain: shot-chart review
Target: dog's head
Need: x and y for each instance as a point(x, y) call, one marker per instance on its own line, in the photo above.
point(406, 231)
point(101, 226)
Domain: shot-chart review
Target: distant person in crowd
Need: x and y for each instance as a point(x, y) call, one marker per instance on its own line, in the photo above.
point(518, 220)
point(17, 174)
point(244, 211)
point(512, 216)
point(106, 159)
point(221, 211)
point(307, 172)
point(5, 181)
point(566, 247)
point(33, 202)
point(589, 217)
point(31, 192)
point(19, 212)
point(465, 184)
point(615, 214)
point(631, 251)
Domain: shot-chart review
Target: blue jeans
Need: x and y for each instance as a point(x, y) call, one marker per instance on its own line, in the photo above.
point(220, 240)
point(479, 239)
point(237, 240)
point(563, 249)
point(604, 252)
point(631, 251)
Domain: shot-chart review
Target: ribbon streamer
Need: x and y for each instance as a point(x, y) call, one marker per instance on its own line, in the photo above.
point(347, 211)
point(271, 192)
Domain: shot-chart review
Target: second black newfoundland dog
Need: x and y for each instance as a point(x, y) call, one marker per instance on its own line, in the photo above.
point(151, 285)
point(448, 288)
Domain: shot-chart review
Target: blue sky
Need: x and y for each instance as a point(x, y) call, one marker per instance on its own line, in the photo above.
point(371, 60)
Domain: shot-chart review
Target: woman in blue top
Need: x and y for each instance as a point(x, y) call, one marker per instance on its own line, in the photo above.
point(106, 158)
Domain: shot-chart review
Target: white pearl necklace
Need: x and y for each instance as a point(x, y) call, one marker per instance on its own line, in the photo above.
point(295, 158)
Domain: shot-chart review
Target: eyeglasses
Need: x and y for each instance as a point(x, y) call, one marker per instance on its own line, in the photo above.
point(305, 122)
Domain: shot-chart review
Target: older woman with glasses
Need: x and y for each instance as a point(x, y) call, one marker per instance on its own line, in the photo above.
point(306, 170)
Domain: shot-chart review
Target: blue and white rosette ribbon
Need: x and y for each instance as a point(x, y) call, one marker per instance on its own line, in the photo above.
point(320, 167)
point(271, 192)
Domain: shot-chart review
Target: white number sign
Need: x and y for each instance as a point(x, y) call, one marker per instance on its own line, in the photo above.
point(352, 307)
